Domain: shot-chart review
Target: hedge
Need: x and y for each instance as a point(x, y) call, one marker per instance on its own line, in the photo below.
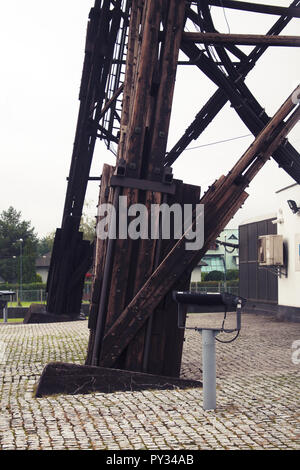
point(42, 286)
point(234, 283)
point(31, 286)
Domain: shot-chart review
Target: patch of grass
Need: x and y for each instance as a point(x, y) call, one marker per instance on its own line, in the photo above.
point(23, 304)
point(12, 320)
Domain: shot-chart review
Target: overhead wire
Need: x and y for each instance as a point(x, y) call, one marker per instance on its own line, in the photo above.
point(225, 16)
point(218, 142)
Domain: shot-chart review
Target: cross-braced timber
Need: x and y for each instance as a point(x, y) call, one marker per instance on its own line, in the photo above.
point(131, 55)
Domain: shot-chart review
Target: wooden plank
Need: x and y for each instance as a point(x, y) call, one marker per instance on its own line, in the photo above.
point(166, 343)
point(166, 338)
point(107, 172)
point(263, 142)
point(111, 101)
point(59, 377)
point(257, 7)
point(158, 326)
point(98, 267)
point(141, 347)
point(147, 60)
point(144, 267)
point(242, 39)
point(130, 72)
point(133, 129)
point(158, 118)
point(135, 18)
point(168, 66)
point(278, 140)
point(37, 313)
point(121, 267)
point(122, 252)
point(102, 32)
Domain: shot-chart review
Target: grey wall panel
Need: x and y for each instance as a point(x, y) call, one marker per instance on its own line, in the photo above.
point(256, 283)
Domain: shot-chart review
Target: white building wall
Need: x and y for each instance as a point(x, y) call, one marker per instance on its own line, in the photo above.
point(196, 274)
point(43, 272)
point(289, 228)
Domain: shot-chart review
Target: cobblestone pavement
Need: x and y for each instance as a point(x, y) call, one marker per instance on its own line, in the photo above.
point(257, 394)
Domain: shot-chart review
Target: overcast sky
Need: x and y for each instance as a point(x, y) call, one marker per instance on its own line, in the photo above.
point(42, 50)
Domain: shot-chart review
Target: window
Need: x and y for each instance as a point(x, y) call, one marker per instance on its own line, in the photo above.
point(214, 263)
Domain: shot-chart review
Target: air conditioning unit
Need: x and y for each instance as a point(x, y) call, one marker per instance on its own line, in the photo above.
point(270, 250)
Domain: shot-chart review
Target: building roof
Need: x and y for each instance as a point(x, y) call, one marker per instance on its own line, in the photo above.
point(43, 261)
point(6, 292)
point(259, 218)
point(202, 263)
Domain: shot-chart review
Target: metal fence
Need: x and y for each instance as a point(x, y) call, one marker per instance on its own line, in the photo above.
point(29, 296)
point(220, 288)
point(40, 295)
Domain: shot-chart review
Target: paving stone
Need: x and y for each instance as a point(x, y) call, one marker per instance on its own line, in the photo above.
point(257, 394)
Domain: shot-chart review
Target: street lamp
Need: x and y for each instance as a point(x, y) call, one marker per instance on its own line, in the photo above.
point(14, 257)
point(225, 268)
point(21, 268)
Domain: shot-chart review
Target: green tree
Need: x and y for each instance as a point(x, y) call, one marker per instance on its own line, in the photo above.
point(214, 276)
point(88, 223)
point(17, 237)
point(87, 226)
point(232, 274)
point(45, 244)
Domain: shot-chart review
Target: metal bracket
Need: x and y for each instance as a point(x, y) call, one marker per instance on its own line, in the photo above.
point(277, 270)
point(185, 299)
point(146, 185)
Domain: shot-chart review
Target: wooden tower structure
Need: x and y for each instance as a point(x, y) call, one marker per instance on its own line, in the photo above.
point(126, 95)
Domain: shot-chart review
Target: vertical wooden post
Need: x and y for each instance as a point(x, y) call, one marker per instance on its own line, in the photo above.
point(147, 101)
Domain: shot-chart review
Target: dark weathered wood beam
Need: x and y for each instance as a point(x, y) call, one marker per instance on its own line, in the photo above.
point(111, 101)
point(147, 100)
point(230, 194)
point(257, 8)
point(246, 106)
point(193, 16)
point(219, 99)
point(72, 379)
point(242, 39)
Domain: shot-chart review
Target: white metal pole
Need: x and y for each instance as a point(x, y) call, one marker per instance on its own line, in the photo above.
point(5, 313)
point(209, 369)
point(21, 270)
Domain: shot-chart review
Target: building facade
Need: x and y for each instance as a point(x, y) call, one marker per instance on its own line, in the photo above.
point(273, 289)
point(42, 266)
point(219, 257)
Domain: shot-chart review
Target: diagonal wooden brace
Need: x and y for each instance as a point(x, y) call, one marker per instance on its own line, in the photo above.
point(221, 202)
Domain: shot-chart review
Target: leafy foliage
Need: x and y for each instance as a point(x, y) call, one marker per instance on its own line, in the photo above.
point(45, 244)
point(88, 223)
point(214, 276)
point(18, 243)
point(232, 274)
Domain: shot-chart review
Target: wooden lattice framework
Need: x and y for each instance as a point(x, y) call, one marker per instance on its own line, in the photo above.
point(131, 58)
